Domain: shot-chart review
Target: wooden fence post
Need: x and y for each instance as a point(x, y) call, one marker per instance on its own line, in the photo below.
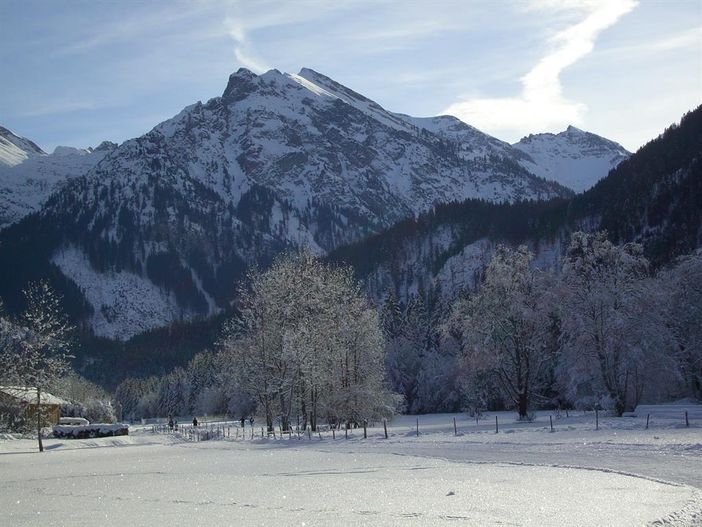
point(597, 419)
point(365, 423)
point(687, 421)
point(648, 416)
point(418, 427)
point(550, 418)
point(497, 429)
point(455, 429)
point(385, 427)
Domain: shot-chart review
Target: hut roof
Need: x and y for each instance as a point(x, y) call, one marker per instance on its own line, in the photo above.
point(28, 394)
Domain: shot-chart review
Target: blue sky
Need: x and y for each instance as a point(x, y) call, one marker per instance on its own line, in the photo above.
point(79, 72)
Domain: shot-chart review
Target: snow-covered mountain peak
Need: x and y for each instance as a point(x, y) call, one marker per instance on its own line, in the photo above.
point(28, 175)
point(105, 146)
point(354, 99)
point(240, 84)
point(63, 151)
point(575, 158)
point(15, 149)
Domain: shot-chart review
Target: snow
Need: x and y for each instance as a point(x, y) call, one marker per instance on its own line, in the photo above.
point(462, 270)
point(525, 475)
point(15, 149)
point(124, 304)
point(29, 395)
point(26, 184)
point(87, 430)
point(574, 158)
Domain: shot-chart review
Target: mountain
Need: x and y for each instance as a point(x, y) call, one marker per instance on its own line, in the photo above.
point(654, 198)
point(15, 149)
point(28, 175)
point(163, 226)
point(574, 158)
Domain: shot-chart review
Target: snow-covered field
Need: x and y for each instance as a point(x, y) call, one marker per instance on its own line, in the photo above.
point(621, 474)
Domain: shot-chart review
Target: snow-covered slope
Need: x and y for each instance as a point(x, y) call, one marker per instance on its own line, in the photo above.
point(574, 158)
point(15, 149)
point(309, 138)
point(28, 175)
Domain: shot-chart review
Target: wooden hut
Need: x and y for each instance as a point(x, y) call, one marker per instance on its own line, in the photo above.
point(26, 398)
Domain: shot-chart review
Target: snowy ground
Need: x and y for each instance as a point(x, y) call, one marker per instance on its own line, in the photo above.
point(621, 474)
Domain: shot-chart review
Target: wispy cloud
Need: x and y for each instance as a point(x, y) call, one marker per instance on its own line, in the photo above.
point(541, 104)
point(60, 107)
point(243, 50)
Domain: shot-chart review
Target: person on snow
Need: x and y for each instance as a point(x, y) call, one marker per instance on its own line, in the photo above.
point(195, 422)
point(243, 421)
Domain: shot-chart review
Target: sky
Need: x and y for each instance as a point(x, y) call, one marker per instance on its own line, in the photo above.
point(79, 72)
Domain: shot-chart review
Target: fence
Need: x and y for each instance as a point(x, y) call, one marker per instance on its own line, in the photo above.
point(457, 425)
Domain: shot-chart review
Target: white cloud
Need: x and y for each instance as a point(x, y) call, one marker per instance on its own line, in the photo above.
point(541, 105)
point(242, 50)
point(249, 61)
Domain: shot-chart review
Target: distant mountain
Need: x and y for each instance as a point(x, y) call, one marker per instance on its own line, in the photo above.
point(162, 227)
point(15, 149)
point(654, 197)
point(28, 175)
point(574, 158)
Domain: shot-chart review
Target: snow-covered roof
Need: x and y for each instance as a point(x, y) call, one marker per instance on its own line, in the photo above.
point(28, 394)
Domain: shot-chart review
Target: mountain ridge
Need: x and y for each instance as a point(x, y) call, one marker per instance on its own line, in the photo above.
point(166, 223)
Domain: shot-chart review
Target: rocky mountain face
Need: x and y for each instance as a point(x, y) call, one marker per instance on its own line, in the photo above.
point(162, 227)
point(574, 158)
point(654, 198)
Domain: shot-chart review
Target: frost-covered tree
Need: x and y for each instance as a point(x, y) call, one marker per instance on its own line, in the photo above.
point(682, 283)
point(38, 351)
point(137, 397)
point(173, 394)
point(204, 395)
point(614, 335)
point(306, 342)
point(504, 327)
point(86, 399)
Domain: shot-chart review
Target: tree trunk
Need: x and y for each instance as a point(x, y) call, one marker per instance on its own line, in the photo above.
point(284, 416)
point(269, 415)
point(523, 405)
point(41, 445)
point(313, 413)
point(618, 405)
